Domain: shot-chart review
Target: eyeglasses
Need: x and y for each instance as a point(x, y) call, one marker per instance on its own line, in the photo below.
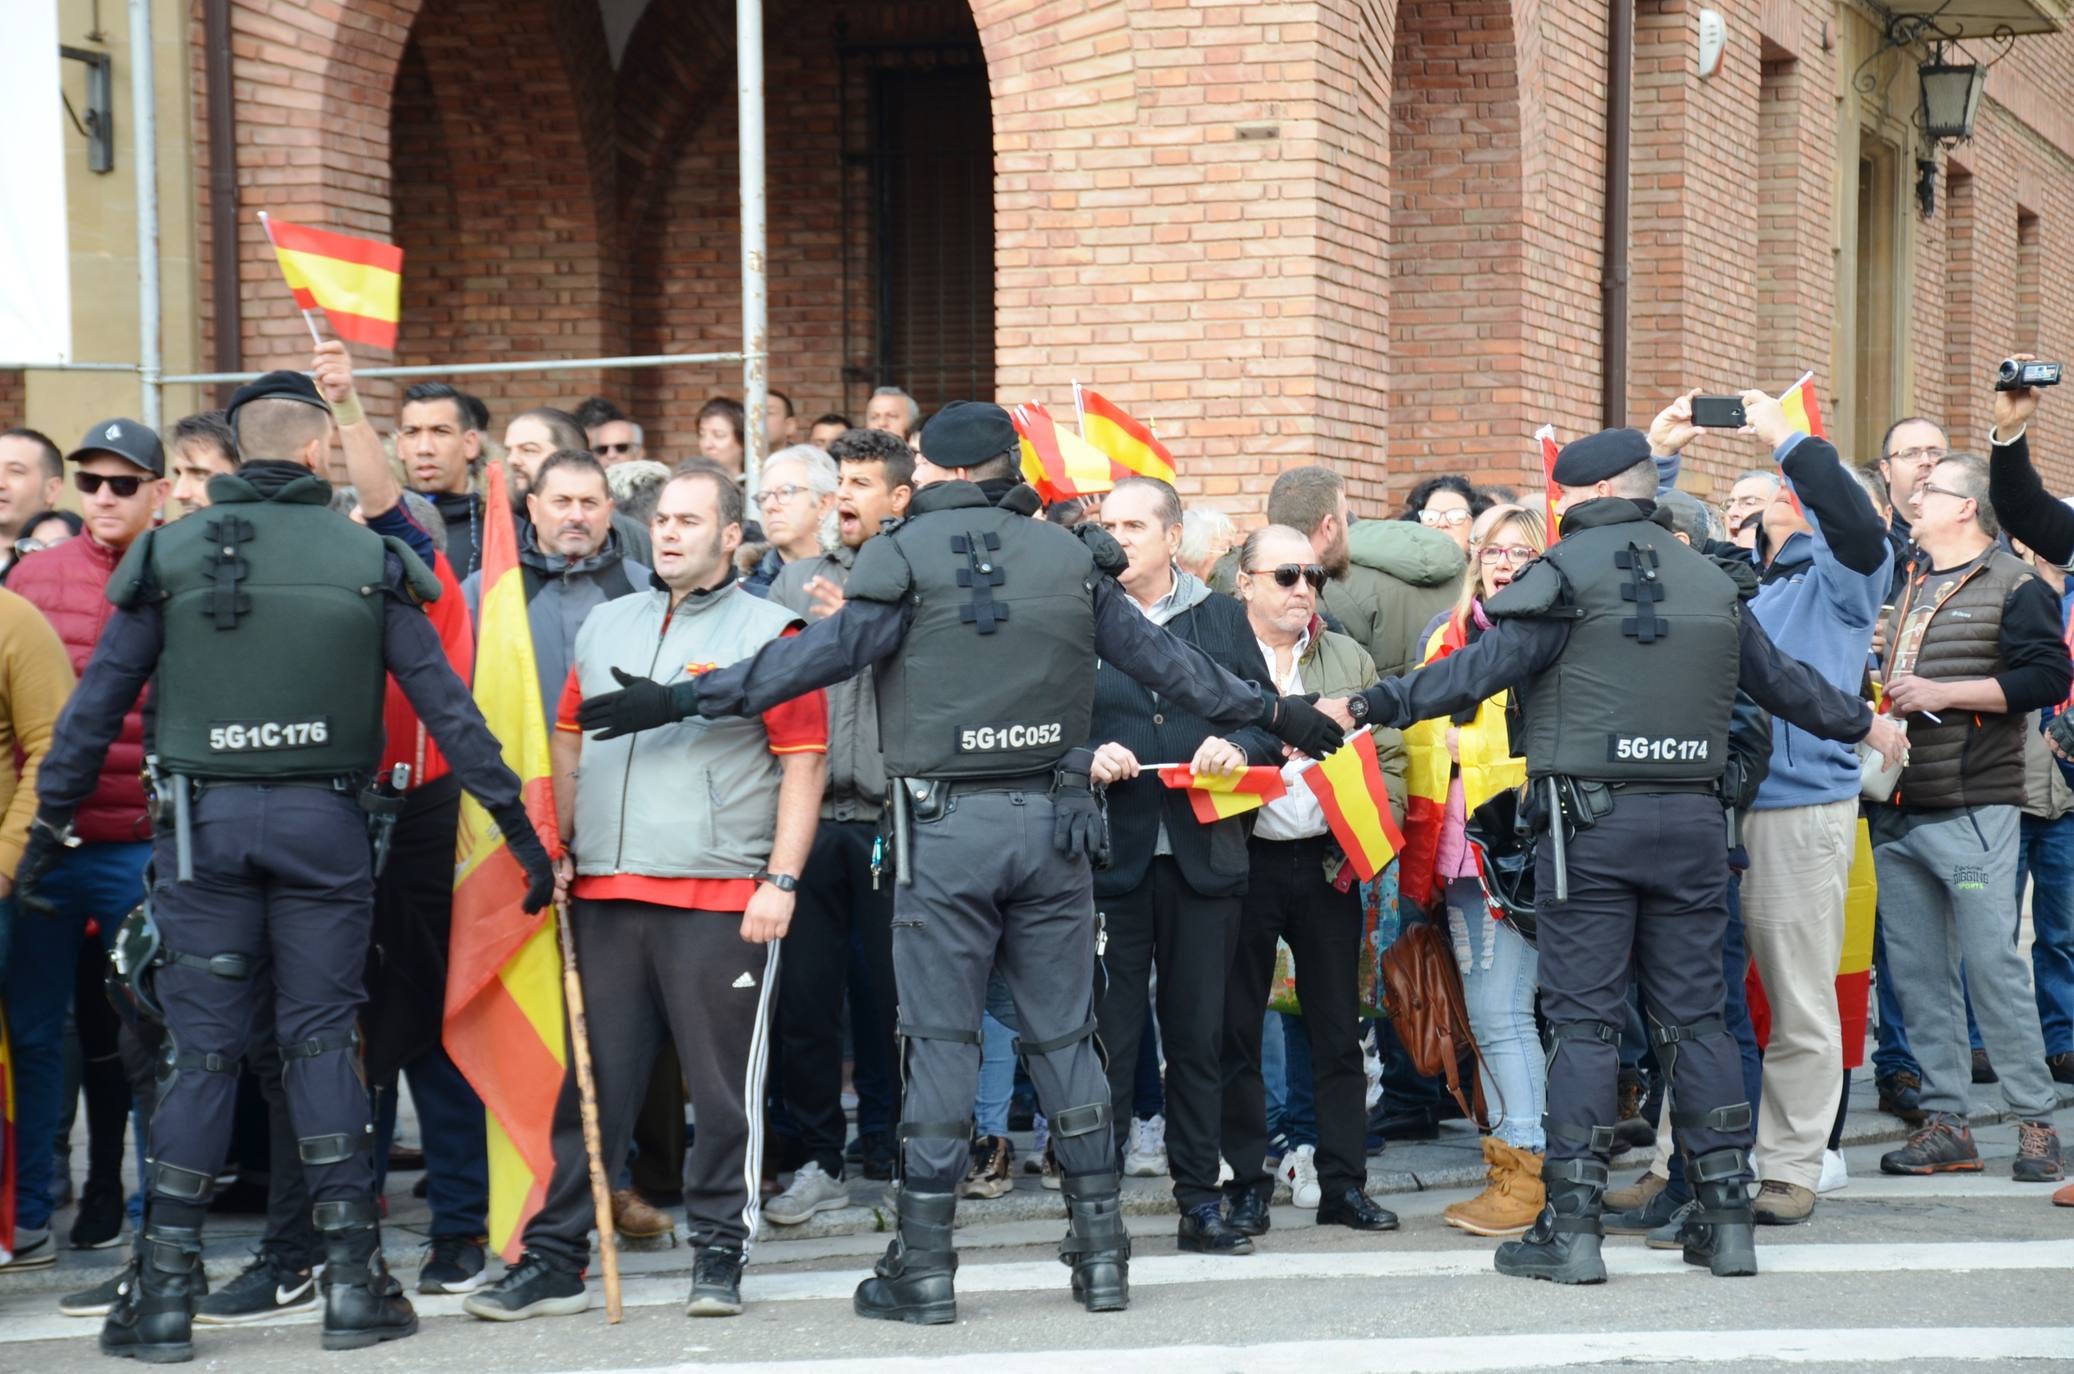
point(1932, 489)
point(1745, 502)
point(603, 450)
point(1514, 554)
point(91, 482)
point(778, 496)
point(1437, 518)
point(1285, 574)
point(1928, 453)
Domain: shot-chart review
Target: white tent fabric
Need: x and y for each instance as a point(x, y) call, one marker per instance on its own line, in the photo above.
point(35, 275)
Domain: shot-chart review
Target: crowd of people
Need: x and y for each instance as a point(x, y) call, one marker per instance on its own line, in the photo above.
point(747, 831)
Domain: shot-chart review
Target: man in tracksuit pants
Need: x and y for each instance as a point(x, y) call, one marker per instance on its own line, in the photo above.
point(686, 844)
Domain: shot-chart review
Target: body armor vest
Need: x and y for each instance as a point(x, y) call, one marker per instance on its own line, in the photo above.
point(1643, 689)
point(272, 667)
point(996, 677)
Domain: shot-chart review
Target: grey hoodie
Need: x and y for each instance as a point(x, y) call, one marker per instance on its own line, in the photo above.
point(568, 590)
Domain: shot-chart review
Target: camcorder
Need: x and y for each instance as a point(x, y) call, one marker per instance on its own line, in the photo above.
point(2014, 375)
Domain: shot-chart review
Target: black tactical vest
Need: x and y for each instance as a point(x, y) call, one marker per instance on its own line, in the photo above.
point(272, 668)
point(996, 677)
point(1643, 689)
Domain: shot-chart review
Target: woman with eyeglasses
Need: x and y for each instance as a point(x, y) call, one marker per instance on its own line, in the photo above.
point(47, 531)
point(1456, 765)
point(1447, 504)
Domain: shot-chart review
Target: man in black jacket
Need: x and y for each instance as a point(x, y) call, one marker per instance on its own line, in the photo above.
point(1172, 891)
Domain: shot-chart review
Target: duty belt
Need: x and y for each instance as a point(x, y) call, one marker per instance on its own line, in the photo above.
point(1021, 782)
point(1639, 787)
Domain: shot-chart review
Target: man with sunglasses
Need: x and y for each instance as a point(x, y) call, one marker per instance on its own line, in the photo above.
point(119, 471)
point(982, 628)
point(1627, 648)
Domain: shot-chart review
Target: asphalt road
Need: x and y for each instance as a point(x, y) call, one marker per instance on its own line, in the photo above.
point(1924, 1274)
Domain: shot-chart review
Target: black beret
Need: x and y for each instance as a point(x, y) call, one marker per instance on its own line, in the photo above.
point(275, 386)
point(1596, 457)
point(965, 434)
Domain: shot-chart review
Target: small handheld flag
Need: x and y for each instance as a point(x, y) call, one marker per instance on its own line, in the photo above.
point(1350, 790)
point(1060, 465)
point(1128, 444)
point(357, 283)
point(1545, 436)
point(1214, 797)
point(1803, 410)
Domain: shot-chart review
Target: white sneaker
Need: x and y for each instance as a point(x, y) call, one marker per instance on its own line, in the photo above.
point(810, 1191)
point(1224, 1171)
point(1146, 1155)
point(1300, 1171)
point(1834, 1174)
point(1372, 1070)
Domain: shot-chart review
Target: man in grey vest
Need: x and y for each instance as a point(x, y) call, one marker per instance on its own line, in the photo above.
point(982, 627)
point(1627, 648)
point(265, 859)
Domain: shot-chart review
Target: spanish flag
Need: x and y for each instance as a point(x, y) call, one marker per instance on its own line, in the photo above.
point(1058, 464)
point(504, 1012)
point(1128, 444)
point(1213, 797)
point(1802, 408)
point(1545, 436)
point(357, 283)
point(1349, 788)
point(6, 1143)
point(1853, 965)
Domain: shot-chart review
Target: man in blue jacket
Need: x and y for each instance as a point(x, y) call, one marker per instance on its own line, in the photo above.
point(1826, 567)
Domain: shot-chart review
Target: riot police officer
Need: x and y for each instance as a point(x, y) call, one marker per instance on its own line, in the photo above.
point(269, 623)
point(984, 626)
point(1627, 648)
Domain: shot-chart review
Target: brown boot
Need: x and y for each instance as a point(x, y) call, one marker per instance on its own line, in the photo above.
point(1511, 1199)
point(1636, 1194)
point(634, 1219)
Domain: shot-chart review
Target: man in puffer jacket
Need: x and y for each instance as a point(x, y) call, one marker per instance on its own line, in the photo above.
point(121, 478)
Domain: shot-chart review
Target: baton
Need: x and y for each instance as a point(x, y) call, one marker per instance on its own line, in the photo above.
point(183, 831)
point(1560, 854)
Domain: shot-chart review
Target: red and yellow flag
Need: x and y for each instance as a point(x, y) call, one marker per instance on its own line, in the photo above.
point(1060, 465)
point(1545, 436)
point(1128, 444)
point(1802, 408)
point(6, 1143)
point(1349, 788)
point(1213, 796)
point(357, 283)
point(504, 1012)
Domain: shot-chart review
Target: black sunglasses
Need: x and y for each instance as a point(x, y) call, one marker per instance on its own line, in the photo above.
point(1285, 575)
point(602, 449)
point(91, 482)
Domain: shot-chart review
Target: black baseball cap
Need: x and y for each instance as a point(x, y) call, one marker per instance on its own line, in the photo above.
point(275, 386)
point(130, 440)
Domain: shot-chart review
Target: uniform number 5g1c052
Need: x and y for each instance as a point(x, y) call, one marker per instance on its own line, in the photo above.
point(987, 737)
point(243, 737)
point(1667, 749)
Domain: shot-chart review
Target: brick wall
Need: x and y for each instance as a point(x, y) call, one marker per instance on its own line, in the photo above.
point(1367, 231)
point(14, 399)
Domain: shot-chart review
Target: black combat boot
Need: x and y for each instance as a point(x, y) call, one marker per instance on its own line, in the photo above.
point(912, 1282)
point(1563, 1243)
point(363, 1302)
point(1096, 1245)
point(152, 1319)
point(1722, 1234)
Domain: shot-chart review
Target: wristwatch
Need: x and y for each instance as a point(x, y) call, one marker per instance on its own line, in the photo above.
point(784, 882)
point(1357, 707)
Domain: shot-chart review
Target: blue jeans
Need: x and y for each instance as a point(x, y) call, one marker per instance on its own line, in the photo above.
point(2046, 852)
point(1285, 1067)
point(1890, 1051)
point(1498, 988)
point(457, 1158)
point(997, 1059)
point(101, 882)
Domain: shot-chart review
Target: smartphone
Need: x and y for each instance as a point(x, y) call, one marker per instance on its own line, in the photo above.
point(1718, 412)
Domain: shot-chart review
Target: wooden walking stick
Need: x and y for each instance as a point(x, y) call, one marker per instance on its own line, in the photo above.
point(587, 1096)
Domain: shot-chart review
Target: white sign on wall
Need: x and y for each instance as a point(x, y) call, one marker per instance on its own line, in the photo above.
point(35, 267)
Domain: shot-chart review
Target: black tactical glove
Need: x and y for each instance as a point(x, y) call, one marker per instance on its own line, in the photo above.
point(644, 705)
point(2060, 731)
point(1080, 820)
point(50, 834)
point(1301, 725)
point(525, 846)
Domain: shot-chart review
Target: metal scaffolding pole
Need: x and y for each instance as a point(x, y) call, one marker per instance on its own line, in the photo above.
point(144, 104)
point(755, 293)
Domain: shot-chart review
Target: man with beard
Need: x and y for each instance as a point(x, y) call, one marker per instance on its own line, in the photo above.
point(530, 440)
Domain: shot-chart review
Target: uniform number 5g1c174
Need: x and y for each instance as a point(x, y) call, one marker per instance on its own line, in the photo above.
point(1643, 749)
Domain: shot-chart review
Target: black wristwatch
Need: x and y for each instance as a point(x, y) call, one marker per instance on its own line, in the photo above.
point(784, 882)
point(1357, 707)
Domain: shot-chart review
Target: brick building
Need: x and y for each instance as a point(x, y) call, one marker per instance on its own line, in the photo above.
point(1356, 230)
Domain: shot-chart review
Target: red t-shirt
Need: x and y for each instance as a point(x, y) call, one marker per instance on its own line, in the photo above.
point(798, 726)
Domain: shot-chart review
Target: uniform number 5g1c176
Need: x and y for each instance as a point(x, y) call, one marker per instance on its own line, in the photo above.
point(268, 734)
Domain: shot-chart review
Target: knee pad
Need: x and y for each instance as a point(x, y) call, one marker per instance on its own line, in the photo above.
point(1716, 1166)
point(1079, 1121)
point(348, 1214)
point(1667, 1039)
point(1027, 1049)
point(176, 1184)
point(1734, 1117)
point(1564, 1031)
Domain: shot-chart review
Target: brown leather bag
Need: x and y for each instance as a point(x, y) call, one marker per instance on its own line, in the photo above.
point(1422, 995)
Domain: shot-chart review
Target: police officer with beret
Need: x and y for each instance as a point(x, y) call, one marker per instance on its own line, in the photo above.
point(269, 623)
point(983, 627)
point(1627, 648)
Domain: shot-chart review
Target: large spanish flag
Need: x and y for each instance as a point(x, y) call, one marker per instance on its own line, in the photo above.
point(357, 283)
point(1060, 465)
point(504, 1013)
point(1127, 443)
point(1350, 789)
point(1215, 796)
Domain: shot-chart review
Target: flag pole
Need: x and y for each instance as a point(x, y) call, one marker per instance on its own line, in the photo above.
point(587, 1097)
point(268, 225)
point(1079, 415)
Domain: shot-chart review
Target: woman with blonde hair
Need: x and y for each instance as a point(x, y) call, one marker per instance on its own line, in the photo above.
point(1456, 765)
